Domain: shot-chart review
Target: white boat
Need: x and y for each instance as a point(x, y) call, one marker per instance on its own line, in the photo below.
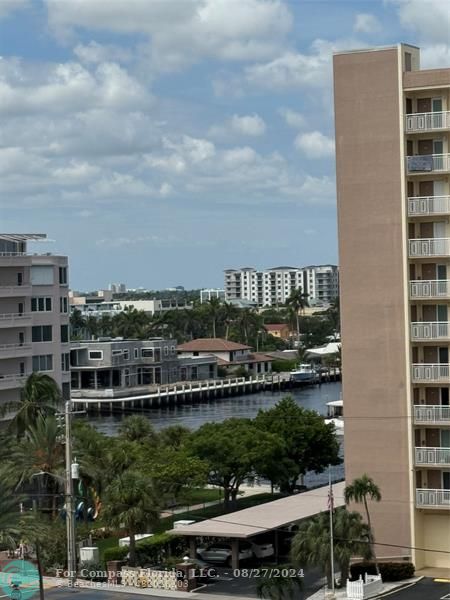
point(304, 374)
point(335, 415)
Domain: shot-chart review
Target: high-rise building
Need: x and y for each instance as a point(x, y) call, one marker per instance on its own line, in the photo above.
point(393, 167)
point(272, 287)
point(34, 316)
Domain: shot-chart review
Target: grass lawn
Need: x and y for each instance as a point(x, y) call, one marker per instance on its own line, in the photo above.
point(199, 495)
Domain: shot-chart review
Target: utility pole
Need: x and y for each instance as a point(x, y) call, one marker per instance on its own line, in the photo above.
point(70, 509)
point(331, 508)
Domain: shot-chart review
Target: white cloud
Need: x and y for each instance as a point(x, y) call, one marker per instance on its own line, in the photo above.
point(366, 23)
point(9, 6)
point(429, 18)
point(165, 189)
point(183, 31)
point(292, 117)
point(98, 53)
point(435, 56)
point(252, 125)
point(314, 144)
point(238, 156)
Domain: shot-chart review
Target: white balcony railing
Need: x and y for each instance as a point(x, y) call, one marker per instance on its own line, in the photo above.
point(8, 382)
point(423, 247)
point(425, 163)
point(422, 206)
point(431, 413)
point(432, 498)
point(432, 456)
point(429, 289)
point(430, 373)
point(14, 290)
point(19, 319)
point(430, 121)
point(12, 350)
point(434, 330)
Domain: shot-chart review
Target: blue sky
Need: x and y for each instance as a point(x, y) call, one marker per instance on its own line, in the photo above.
point(161, 141)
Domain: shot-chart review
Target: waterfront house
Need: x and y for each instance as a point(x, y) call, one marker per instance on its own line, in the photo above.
point(278, 330)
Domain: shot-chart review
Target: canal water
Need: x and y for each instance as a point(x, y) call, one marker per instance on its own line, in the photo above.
point(194, 414)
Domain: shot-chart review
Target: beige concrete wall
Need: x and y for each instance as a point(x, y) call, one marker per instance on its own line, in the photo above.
point(372, 263)
point(427, 78)
point(433, 533)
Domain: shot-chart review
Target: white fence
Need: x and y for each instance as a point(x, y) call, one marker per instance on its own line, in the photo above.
point(432, 456)
point(425, 163)
point(358, 590)
point(430, 288)
point(429, 497)
point(431, 373)
point(428, 205)
point(429, 247)
point(431, 413)
point(429, 121)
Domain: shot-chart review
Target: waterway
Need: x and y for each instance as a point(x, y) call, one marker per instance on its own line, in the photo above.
point(195, 414)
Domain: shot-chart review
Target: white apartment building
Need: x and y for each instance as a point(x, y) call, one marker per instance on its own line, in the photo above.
point(272, 287)
point(34, 316)
point(208, 294)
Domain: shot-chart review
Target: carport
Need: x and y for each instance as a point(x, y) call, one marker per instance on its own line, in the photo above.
point(264, 518)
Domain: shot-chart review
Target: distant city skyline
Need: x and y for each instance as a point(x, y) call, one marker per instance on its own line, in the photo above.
point(161, 142)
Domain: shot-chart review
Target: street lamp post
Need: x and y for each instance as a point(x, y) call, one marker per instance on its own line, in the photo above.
point(70, 509)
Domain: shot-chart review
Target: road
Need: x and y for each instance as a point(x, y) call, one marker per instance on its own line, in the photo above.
point(65, 594)
point(427, 589)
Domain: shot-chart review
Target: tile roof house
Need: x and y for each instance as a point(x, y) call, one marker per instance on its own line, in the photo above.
point(230, 355)
point(278, 330)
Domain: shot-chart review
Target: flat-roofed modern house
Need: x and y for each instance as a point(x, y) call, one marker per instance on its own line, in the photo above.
point(34, 315)
point(393, 192)
point(112, 367)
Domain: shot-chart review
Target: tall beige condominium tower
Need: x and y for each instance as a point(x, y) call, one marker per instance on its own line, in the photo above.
point(34, 318)
point(393, 166)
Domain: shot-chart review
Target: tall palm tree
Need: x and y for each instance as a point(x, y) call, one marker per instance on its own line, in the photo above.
point(40, 396)
point(131, 503)
point(213, 309)
point(360, 490)
point(137, 428)
point(10, 516)
point(297, 301)
point(230, 313)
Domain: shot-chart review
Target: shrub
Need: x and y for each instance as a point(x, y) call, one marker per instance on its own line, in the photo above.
point(389, 571)
point(281, 365)
point(151, 551)
point(115, 553)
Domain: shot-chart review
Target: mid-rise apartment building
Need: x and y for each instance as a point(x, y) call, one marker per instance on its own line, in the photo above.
point(34, 315)
point(393, 169)
point(272, 287)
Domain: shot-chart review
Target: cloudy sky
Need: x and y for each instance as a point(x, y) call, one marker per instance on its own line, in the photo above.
point(161, 141)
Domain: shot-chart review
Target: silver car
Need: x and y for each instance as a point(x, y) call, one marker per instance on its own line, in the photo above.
point(221, 552)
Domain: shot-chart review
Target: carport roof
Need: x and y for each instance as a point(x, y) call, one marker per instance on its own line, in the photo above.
point(266, 517)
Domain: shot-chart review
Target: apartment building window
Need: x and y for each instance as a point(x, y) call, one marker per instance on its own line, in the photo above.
point(64, 333)
point(172, 350)
point(95, 354)
point(147, 352)
point(126, 354)
point(41, 304)
point(63, 304)
point(63, 275)
point(166, 350)
point(136, 353)
point(65, 362)
point(41, 275)
point(43, 362)
point(41, 333)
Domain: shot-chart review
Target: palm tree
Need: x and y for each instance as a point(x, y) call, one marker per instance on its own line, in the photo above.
point(131, 503)
point(279, 588)
point(230, 313)
point(213, 310)
point(361, 489)
point(311, 544)
point(10, 516)
point(40, 396)
point(137, 428)
point(297, 301)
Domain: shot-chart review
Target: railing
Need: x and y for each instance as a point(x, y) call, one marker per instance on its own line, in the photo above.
point(431, 373)
point(439, 330)
point(429, 247)
point(13, 316)
point(371, 586)
point(9, 254)
point(428, 205)
point(8, 381)
point(429, 121)
point(429, 288)
point(420, 163)
point(15, 349)
point(432, 456)
point(431, 413)
point(15, 290)
point(426, 497)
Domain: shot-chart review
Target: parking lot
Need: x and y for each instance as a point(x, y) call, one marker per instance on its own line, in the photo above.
point(427, 589)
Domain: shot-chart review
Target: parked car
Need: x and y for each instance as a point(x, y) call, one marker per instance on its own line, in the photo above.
point(221, 552)
point(262, 549)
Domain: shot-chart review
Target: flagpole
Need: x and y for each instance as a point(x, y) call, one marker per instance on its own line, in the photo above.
point(331, 506)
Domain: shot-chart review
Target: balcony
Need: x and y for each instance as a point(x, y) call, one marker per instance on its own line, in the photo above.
point(423, 122)
point(424, 206)
point(432, 456)
point(427, 331)
point(11, 382)
point(428, 163)
point(14, 291)
point(15, 319)
point(429, 289)
point(432, 498)
point(429, 247)
point(431, 373)
point(15, 350)
point(428, 414)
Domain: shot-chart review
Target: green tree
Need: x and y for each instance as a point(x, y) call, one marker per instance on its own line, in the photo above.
point(308, 443)
point(360, 490)
point(131, 503)
point(137, 428)
point(297, 302)
point(229, 313)
point(279, 588)
point(213, 310)
point(234, 451)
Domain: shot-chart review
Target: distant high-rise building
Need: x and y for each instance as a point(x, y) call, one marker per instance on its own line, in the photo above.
point(208, 294)
point(34, 316)
point(273, 287)
point(393, 191)
point(117, 288)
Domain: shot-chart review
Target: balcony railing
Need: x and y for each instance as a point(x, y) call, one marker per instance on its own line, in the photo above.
point(432, 456)
point(432, 498)
point(12, 350)
point(422, 206)
point(423, 247)
point(425, 163)
point(11, 319)
point(14, 290)
point(428, 289)
point(427, 331)
point(9, 382)
point(430, 121)
point(431, 373)
point(431, 413)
